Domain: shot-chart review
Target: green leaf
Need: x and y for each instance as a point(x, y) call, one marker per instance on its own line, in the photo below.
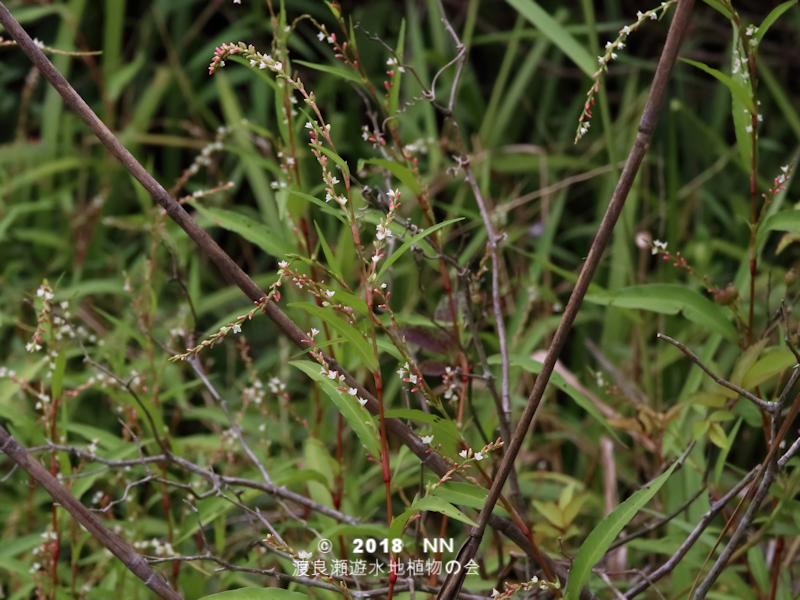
point(248, 228)
point(550, 511)
point(339, 214)
point(717, 5)
point(399, 523)
point(355, 415)
point(271, 593)
point(406, 177)
point(668, 299)
point(442, 428)
point(736, 88)
point(772, 363)
point(348, 74)
point(436, 504)
point(773, 16)
point(724, 450)
point(348, 332)
point(535, 367)
point(717, 435)
point(329, 257)
point(335, 158)
point(557, 34)
point(413, 240)
point(742, 118)
point(786, 220)
point(462, 494)
point(743, 365)
point(596, 545)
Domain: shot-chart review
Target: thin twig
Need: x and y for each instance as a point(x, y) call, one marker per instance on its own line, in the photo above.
point(768, 406)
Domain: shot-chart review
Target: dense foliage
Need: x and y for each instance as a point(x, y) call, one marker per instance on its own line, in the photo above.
point(418, 194)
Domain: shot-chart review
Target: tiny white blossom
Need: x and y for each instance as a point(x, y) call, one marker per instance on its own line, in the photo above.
point(463, 454)
point(237, 328)
point(362, 401)
point(329, 293)
point(352, 391)
point(333, 374)
point(478, 456)
point(427, 439)
point(320, 36)
point(303, 555)
point(283, 264)
point(314, 331)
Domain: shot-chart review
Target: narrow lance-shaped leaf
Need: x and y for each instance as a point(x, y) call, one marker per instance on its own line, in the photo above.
point(596, 545)
point(736, 88)
point(670, 299)
point(742, 118)
point(411, 241)
point(355, 415)
point(556, 33)
point(349, 332)
point(248, 228)
point(773, 16)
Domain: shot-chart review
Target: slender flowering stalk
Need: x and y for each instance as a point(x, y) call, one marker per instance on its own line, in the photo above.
point(236, 327)
point(584, 121)
point(43, 319)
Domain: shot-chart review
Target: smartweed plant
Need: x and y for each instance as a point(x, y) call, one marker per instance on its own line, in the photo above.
point(442, 381)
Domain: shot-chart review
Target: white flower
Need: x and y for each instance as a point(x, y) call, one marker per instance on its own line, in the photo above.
point(320, 36)
point(333, 374)
point(309, 125)
point(277, 66)
point(658, 246)
point(283, 264)
point(329, 293)
point(314, 331)
point(478, 456)
point(352, 391)
point(237, 1)
point(463, 454)
point(494, 592)
point(40, 292)
point(626, 30)
point(334, 180)
point(303, 555)
point(427, 439)
point(362, 401)
point(376, 258)
point(237, 328)
point(785, 169)
point(331, 39)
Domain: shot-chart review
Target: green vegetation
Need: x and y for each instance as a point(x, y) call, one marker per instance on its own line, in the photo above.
point(416, 197)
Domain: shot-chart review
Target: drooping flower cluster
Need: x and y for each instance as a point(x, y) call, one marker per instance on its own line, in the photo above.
point(611, 48)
